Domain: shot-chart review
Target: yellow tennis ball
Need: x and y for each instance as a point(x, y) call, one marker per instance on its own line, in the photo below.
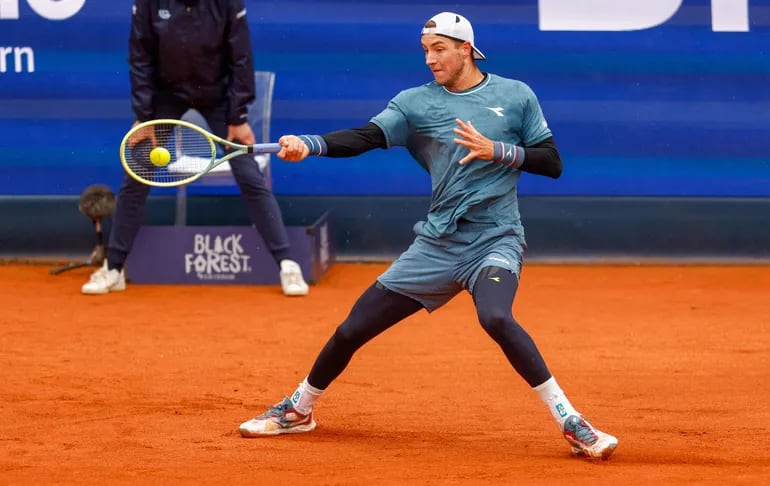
point(160, 156)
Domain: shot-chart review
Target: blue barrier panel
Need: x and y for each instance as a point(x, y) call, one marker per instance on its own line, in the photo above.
point(653, 98)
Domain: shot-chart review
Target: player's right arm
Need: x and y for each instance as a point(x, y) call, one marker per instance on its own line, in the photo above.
point(387, 129)
point(342, 143)
point(142, 53)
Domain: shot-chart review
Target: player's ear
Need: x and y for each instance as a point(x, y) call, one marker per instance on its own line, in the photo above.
point(467, 49)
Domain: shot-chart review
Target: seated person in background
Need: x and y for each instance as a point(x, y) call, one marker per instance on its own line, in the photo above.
point(173, 68)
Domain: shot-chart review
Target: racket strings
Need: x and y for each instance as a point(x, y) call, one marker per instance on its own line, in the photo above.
point(189, 152)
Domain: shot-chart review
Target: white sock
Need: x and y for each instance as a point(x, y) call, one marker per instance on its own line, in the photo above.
point(553, 396)
point(305, 396)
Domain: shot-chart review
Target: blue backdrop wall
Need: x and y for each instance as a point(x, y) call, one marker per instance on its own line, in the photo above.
point(678, 109)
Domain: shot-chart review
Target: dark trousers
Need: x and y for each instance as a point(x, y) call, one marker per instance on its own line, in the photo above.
point(261, 204)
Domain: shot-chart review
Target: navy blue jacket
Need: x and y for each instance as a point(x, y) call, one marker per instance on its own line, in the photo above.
point(198, 52)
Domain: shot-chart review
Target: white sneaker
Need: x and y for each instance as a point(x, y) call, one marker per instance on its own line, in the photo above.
point(281, 418)
point(291, 278)
point(103, 281)
point(587, 440)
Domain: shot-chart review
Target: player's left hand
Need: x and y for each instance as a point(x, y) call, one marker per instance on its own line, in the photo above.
point(480, 146)
point(241, 134)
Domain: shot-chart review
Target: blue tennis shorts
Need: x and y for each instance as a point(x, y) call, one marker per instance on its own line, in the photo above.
point(433, 270)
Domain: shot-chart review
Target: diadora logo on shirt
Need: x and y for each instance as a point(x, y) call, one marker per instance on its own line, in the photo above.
point(497, 110)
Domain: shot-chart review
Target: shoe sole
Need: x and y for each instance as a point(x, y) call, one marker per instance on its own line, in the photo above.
point(94, 292)
point(106, 291)
point(296, 294)
point(292, 430)
point(605, 453)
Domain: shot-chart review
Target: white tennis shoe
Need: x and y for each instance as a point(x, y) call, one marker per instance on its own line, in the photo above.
point(291, 279)
point(104, 281)
point(281, 418)
point(587, 440)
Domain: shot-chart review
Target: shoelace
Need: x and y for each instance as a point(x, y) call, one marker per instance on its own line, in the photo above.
point(584, 432)
point(278, 409)
point(293, 279)
point(100, 274)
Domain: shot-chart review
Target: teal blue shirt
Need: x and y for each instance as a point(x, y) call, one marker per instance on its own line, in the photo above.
point(423, 119)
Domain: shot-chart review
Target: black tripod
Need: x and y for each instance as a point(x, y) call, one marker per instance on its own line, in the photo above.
point(96, 202)
point(96, 258)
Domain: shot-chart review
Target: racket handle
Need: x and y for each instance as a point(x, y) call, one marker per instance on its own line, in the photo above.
point(265, 148)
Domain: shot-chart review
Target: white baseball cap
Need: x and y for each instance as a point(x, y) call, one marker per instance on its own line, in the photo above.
point(454, 26)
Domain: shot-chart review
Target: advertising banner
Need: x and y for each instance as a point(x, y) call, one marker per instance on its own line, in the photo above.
point(645, 98)
point(216, 255)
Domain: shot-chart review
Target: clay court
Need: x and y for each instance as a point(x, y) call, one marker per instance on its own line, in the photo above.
point(149, 385)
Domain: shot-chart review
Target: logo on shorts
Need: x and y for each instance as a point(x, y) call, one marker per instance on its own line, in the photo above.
point(164, 14)
point(495, 279)
point(499, 259)
point(560, 410)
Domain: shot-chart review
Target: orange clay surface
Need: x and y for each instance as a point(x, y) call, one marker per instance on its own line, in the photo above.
point(148, 386)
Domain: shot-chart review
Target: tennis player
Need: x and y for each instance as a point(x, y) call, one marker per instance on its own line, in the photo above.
point(191, 54)
point(475, 133)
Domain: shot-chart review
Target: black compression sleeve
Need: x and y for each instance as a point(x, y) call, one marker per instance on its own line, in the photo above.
point(543, 159)
point(347, 143)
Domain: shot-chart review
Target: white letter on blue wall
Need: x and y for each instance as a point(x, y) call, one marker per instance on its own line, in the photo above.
point(56, 9)
point(9, 9)
point(21, 53)
point(730, 15)
point(605, 15)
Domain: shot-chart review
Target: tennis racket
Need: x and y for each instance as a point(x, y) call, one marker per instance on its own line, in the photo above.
point(168, 153)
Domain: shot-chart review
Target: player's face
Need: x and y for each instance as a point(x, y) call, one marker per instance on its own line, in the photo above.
point(445, 58)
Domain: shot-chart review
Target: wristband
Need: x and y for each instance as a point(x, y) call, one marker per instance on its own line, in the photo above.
point(508, 154)
point(315, 143)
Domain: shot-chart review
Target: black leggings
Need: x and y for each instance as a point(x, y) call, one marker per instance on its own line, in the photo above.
point(493, 294)
point(373, 313)
point(378, 309)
